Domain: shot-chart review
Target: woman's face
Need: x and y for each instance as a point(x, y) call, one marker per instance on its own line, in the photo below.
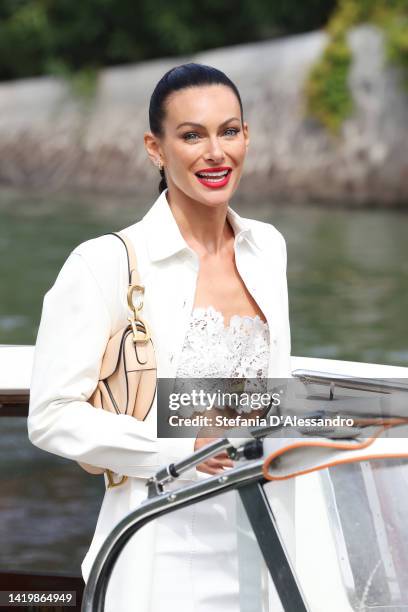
point(204, 143)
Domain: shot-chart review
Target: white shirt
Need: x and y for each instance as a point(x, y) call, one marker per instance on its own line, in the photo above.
point(87, 304)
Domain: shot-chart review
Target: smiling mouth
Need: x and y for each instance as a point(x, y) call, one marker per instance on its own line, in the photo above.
point(213, 177)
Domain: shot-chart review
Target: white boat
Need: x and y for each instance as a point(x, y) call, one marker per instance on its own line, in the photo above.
point(331, 539)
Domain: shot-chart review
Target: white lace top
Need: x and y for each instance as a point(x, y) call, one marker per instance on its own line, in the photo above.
point(213, 350)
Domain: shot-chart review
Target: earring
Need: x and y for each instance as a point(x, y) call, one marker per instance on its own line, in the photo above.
point(159, 164)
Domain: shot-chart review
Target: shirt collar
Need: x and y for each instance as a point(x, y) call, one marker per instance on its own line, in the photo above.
point(164, 238)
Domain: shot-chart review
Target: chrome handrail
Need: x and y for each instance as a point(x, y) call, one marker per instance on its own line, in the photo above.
point(377, 385)
point(244, 478)
point(97, 584)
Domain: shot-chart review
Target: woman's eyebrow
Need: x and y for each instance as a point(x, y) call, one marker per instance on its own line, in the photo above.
point(203, 126)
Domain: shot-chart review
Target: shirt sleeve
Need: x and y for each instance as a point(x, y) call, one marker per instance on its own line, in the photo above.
point(74, 329)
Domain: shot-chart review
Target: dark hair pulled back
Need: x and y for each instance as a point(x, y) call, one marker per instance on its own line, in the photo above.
point(181, 77)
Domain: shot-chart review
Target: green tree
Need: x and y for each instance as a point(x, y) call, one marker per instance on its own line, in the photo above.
point(327, 91)
point(47, 36)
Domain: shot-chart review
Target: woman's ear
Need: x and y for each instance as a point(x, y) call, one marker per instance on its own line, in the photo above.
point(246, 133)
point(152, 147)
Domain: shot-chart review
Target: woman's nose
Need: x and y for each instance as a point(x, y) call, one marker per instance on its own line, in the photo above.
point(215, 151)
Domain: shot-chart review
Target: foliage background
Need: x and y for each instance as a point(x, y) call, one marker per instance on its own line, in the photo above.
point(327, 92)
point(73, 40)
point(40, 37)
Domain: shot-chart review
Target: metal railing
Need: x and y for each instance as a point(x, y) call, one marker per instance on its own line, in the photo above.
point(370, 385)
point(248, 480)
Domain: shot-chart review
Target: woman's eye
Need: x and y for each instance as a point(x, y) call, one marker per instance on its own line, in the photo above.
point(185, 136)
point(233, 130)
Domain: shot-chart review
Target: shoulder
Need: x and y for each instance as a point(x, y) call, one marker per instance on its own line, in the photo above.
point(267, 236)
point(100, 264)
point(266, 230)
point(100, 249)
point(107, 252)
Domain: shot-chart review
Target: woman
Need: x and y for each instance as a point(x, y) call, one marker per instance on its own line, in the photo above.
point(216, 303)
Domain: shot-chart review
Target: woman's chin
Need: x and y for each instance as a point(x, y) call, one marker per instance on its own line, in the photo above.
point(213, 195)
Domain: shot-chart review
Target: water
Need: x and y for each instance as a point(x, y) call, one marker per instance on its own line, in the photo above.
point(49, 506)
point(348, 293)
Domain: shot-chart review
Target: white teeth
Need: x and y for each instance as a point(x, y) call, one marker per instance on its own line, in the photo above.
point(213, 174)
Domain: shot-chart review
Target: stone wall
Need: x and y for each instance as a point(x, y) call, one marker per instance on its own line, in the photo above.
point(50, 140)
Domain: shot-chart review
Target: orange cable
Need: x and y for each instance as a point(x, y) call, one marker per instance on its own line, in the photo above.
point(326, 444)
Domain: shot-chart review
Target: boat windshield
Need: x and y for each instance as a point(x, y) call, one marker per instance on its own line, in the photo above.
point(367, 505)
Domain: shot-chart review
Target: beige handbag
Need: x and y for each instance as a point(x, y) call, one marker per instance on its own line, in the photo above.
point(128, 376)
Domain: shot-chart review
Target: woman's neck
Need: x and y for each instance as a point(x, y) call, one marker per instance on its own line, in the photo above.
point(204, 228)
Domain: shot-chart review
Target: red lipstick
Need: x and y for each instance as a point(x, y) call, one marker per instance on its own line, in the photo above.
point(214, 177)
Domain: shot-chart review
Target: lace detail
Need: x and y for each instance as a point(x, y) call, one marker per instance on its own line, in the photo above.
point(213, 350)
